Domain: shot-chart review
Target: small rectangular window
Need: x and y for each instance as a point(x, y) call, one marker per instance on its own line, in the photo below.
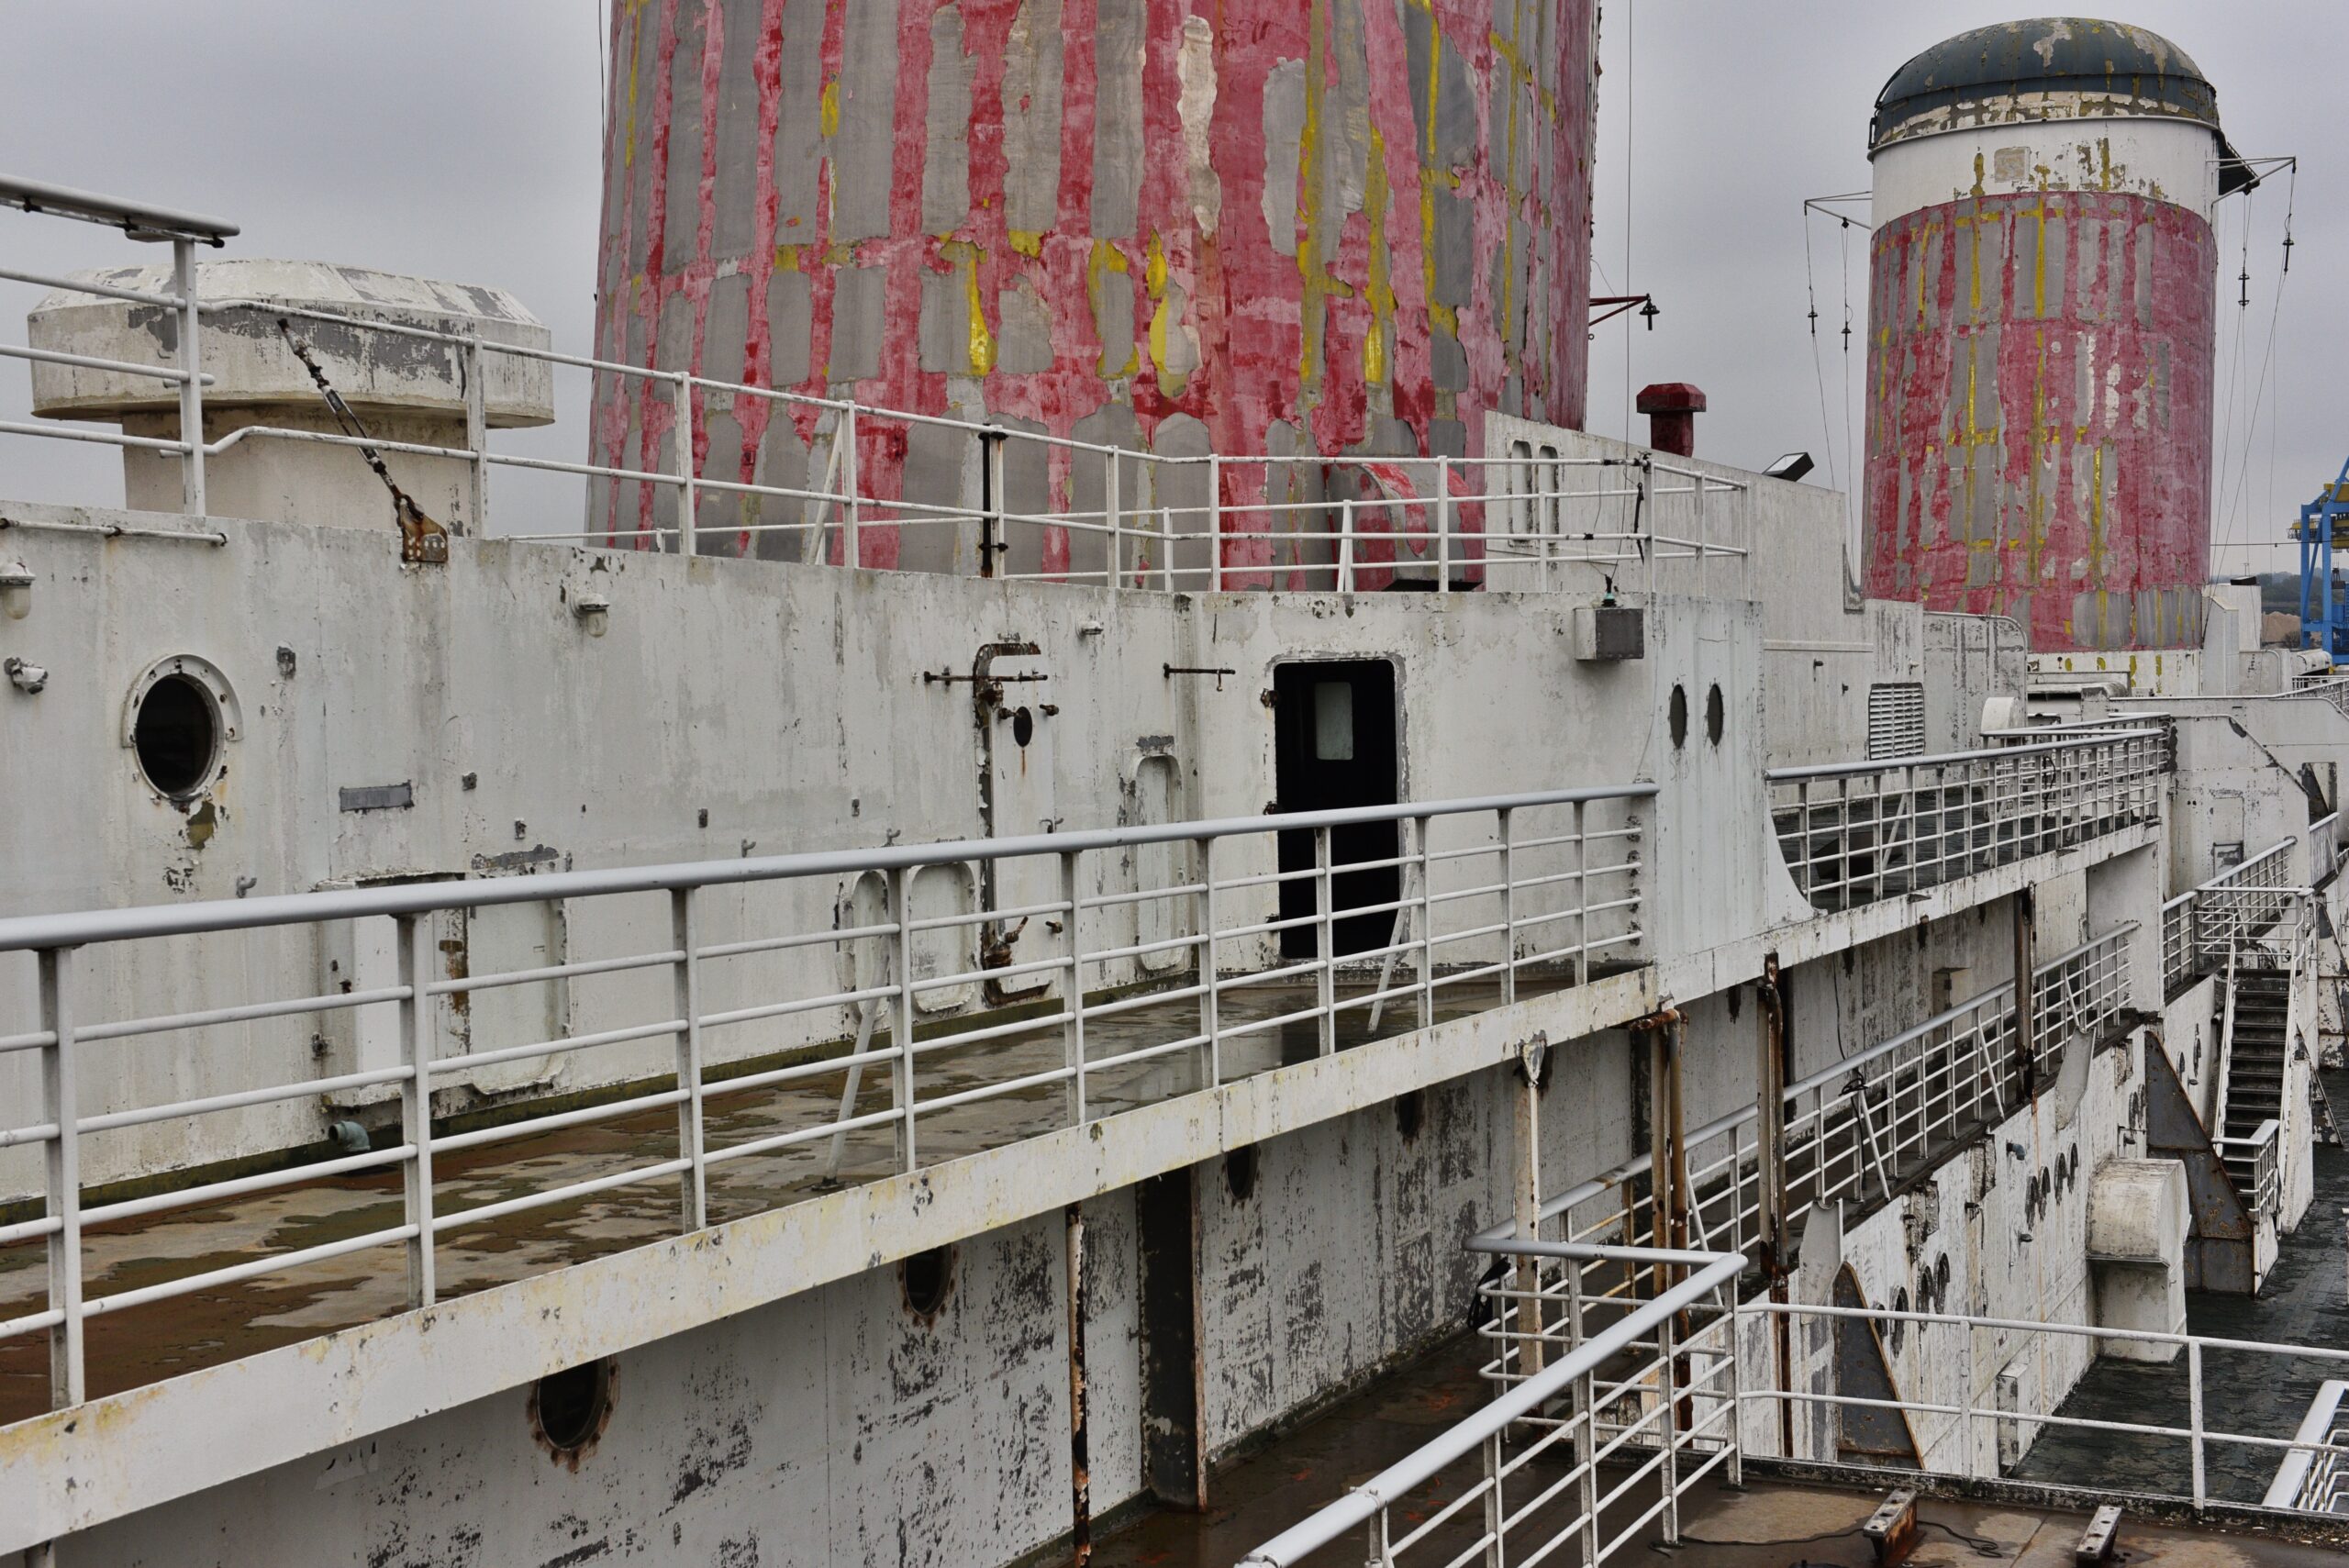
point(1333, 721)
point(1896, 720)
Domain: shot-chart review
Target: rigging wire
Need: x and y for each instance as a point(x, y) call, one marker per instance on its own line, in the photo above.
point(2234, 376)
point(1817, 366)
point(2266, 363)
point(1629, 79)
point(1851, 442)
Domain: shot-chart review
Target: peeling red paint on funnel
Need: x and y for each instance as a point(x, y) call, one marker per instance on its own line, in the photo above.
point(1258, 227)
point(2042, 280)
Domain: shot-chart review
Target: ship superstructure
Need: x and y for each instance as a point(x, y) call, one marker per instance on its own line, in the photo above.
point(911, 1000)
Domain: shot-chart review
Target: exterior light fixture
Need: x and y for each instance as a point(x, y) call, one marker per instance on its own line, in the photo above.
point(15, 591)
point(594, 610)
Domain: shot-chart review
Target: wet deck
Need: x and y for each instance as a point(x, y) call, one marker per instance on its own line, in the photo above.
point(166, 1338)
point(2305, 1301)
point(1767, 1525)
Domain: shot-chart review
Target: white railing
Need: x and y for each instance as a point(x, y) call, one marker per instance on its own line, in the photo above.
point(2324, 846)
point(2260, 1155)
point(1856, 832)
point(1966, 1437)
point(1163, 960)
point(1622, 1427)
point(2313, 1478)
point(1852, 1130)
point(184, 232)
point(2203, 925)
point(1664, 1396)
point(1207, 523)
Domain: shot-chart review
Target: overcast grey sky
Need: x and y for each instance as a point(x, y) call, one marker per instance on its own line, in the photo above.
point(460, 141)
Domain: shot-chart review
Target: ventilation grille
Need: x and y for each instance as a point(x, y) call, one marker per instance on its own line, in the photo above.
point(1896, 720)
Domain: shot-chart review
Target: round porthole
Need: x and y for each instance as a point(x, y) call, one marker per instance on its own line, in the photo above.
point(570, 1409)
point(1023, 725)
point(1240, 1173)
point(1407, 1112)
point(1678, 717)
point(176, 732)
point(1716, 715)
point(927, 1278)
point(177, 724)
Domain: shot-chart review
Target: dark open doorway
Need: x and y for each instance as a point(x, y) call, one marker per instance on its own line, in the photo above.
point(1334, 746)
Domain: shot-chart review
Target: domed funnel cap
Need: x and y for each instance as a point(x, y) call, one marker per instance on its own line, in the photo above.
point(2049, 68)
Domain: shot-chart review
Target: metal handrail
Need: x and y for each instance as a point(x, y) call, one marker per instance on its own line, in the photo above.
point(1980, 754)
point(1393, 1486)
point(31, 932)
point(140, 220)
point(841, 502)
point(1566, 889)
point(2096, 949)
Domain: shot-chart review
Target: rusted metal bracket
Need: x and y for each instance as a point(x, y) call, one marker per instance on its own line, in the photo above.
point(1892, 1530)
point(1218, 671)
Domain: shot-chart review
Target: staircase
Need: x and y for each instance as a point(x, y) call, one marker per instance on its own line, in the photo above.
point(2254, 1094)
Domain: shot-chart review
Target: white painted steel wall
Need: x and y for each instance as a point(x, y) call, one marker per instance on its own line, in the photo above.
point(2174, 161)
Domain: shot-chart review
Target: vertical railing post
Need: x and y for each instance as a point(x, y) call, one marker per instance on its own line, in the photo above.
point(68, 1380)
point(415, 939)
point(852, 547)
point(901, 1066)
point(1508, 907)
point(2194, 1402)
point(1965, 1402)
point(1425, 826)
point(1210, 1024)
point(1496, 1510)
point(688, 498)
point(1582, 896)
point(1215, 522)
point(1668, 1429)
point(191, 367)
point(1443, 525)
point(1073, 1023)
point(1586, 1461)
point(1112, 482)
point(685, 936)
point(476, 439)
point(1734, 1359)
point(1346, 545)
point(1167, 549)
point(1325, 940)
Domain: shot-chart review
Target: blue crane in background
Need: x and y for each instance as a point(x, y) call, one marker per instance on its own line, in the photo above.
point(2324, 523)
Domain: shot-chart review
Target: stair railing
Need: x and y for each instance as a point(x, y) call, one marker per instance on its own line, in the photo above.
point(2226, 1063)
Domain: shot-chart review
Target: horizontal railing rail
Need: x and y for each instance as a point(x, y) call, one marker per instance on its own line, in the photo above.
point(989, 989)
point(1966, 1420)
point(2204, 925)
point(2313, 1478)
point(1853, 1130)
point(1855, 833)
point(1639, 1413)
point(1637, 1410)
point(1134, 519)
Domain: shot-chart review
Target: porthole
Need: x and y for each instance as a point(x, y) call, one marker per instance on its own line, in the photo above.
point(1716, 714)
point(1023, 725)
point(1240, 1173)
point(570, 1409)
point(1678, 717)
point(177, 723)
point(176, 733)
point(928, 1279)
point(1407, 1112)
